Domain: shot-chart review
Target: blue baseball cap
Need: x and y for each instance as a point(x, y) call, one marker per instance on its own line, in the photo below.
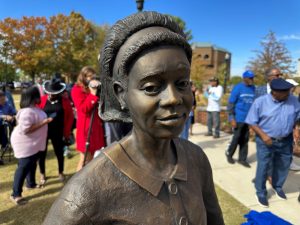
point(248, 74)
point(280, 84)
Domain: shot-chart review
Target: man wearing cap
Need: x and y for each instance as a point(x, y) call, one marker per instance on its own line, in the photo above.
point(270, 74)
point(239, 103)
point(273, 117)
point(213, 94)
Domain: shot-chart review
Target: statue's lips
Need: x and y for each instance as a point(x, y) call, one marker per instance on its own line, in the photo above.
point(174, 119)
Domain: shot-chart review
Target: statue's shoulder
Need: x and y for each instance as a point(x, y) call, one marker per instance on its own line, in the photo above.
point(192, 151)
point(90, 178)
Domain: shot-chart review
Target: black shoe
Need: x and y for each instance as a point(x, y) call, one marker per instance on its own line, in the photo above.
point(216, 136)
point(262, 201)
point(230, 160)
point(1, 162)
point(280, 194)
point(244, 163)
point(208, 134)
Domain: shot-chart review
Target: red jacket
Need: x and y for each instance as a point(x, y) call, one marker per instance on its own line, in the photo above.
point(85, 103)
point(68, 113)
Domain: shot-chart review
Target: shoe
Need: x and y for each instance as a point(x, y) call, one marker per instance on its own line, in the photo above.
point(280, 194)
point(18, 200)
point(61, 177)
point(37, 186)
point(208, 134)
point(299, 198)
point(230, 160)
point(42, 180)
point(245, 164)
point(294, 166)
point(216, 136)
point(262, 201)
point(1, 162)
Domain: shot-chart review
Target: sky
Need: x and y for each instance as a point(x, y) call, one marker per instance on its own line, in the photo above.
point(236, 25)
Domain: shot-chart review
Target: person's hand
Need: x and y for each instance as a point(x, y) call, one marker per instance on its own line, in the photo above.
point(296, 134)
point(233, 123)
point(48, 120)
point(267, 140)
point(93, 86)
point(9, 118)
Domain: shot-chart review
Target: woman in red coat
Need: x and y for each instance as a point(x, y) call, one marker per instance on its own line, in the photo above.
point(85, 101)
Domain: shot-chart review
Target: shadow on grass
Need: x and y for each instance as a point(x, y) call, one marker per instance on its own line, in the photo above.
point(44, 192)
point(32, 213)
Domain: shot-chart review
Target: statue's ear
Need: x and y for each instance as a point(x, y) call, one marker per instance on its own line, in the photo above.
point(120, 93)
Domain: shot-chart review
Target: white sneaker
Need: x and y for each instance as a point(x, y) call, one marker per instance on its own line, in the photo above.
point(294, 166)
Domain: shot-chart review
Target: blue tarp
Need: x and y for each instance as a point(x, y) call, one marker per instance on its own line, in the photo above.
point(264, 218)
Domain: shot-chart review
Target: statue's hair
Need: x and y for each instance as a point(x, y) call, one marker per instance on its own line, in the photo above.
point(115, 39)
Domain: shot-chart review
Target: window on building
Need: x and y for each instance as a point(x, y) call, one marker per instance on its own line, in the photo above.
point(206, 56)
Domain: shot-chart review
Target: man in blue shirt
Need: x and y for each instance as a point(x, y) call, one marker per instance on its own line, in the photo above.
point(239, 103)
point(273, 117)
point(270, 74)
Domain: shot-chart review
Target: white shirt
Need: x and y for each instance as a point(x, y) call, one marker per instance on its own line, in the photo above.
point(214, 95)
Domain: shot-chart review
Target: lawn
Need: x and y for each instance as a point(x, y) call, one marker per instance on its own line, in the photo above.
point(40, 200)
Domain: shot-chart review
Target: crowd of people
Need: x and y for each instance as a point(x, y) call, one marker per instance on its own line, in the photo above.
point(273, 113)
point(48, 113)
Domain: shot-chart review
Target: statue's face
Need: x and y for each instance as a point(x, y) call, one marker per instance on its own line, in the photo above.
point(159, 95)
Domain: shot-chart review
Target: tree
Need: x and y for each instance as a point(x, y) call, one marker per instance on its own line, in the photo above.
point(234, 80)
point(7, 72)
point(273, 53)
point(26, 42)
point(182, 25)
point(197, 72)
point(75, 42)
point(63, 44)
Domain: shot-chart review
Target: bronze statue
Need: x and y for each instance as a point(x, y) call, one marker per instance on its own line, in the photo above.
point(151, 176)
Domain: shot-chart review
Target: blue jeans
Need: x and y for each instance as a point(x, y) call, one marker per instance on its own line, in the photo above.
point(185, 133)
point(26, 169)
point(213, 119)
point(280, 154)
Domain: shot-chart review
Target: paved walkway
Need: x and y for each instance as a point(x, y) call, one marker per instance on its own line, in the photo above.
point(236, 179)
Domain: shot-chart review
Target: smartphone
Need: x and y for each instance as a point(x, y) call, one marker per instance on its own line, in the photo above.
point(52, 115)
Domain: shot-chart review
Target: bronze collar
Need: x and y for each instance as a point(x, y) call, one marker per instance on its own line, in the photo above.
point(143, 178)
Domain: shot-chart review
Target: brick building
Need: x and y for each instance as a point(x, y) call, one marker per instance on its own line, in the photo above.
point(211, 58)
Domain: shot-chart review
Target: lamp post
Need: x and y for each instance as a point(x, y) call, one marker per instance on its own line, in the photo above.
point(227, 60)
point(140, 5)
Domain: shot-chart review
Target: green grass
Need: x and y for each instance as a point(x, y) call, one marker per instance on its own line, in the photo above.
point(40, 200)
point(233, 210)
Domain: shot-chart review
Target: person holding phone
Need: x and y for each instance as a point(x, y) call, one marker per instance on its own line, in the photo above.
point(60, 110)
point(28, 139)
point(84, 95)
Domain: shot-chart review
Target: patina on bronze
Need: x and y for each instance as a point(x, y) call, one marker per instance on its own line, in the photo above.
point(150, 177)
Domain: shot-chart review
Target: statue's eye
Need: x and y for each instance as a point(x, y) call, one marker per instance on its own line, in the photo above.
point(183, 84)
point(151, 88)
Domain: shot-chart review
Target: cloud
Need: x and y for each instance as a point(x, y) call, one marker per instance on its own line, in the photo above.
point(290, 37)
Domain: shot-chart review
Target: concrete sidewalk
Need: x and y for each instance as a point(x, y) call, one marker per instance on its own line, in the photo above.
point(236, 179)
